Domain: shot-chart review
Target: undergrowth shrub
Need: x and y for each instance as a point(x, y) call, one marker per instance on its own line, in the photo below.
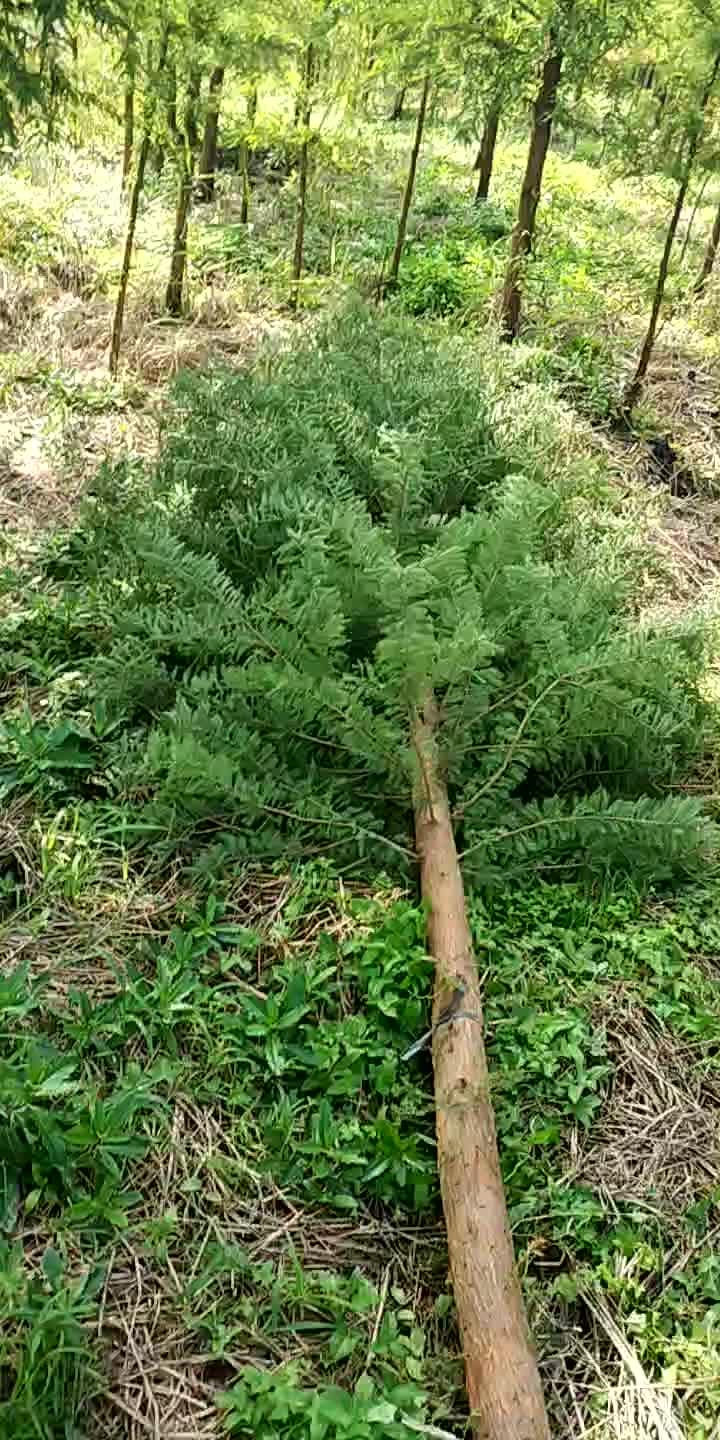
point(325, 537)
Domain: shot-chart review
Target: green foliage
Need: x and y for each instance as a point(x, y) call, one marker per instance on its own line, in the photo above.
point(274, 1405)
point(321, 541)
point(437, 280)
point(585, 370)
point(33, 68)
point(49, 1372)
point(62, 1142)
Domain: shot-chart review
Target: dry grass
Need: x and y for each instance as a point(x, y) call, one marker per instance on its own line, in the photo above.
point(657, 1143)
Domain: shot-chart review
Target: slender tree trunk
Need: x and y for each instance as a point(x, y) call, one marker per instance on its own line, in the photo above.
point(501, 1374)
point(208, 152)
point(486, 153)
point(246, 151)
point(633, 389)
point(192, 132)
point(709, 258)
point(398, 104)
point(691, 222)
point(303, 108)
point(394, 269)
point(245, 177)
point(128, 133)
point(186, 143)
point(252, 106)
point(135, 193)
point(522, 236)
point(128, 111)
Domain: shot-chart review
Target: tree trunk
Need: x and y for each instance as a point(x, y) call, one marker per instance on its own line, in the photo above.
point(522, 236)
point(501, 1374)
point(394, 269)
point(192, 133)
point(208, 153)
point(128, 129)
point(398, 104)
point(710, 253)
point(135, 193)
point(691, 222)
point(186, 165)
point(252, 106)
point(303, 108)
point(486, 153)
point(633, 389)
point(245, 175)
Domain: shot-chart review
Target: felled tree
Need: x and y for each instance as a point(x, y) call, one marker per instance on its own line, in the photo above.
point(348, 622)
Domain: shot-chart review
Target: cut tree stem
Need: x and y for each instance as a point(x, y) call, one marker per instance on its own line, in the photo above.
point(503, 1383)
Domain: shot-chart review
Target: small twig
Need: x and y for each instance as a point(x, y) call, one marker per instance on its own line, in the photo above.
point(517, 737)
point(379, 1315)
point(493, 838)
point(433, 1431)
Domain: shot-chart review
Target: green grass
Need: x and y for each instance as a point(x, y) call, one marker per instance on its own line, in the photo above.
point(227, 1106)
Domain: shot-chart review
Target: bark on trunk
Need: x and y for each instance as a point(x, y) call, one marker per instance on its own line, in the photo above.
point(252, 106)
point(245, 174)
point(502, 1379)
point(178, 261)
point(524, 231)
point(709, 258)
point(693, 213)
point(304, 108)
point(394, 269)
point(398, 104)
point(486, 153)
point(128, 131)
point(186, 143)
point(633, 389)
point(135, 193)
point(208, 153)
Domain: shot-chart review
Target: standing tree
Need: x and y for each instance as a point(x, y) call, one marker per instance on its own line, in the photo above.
point(522, 236)
point(486, 153)
point(208, 154)
point(394, 267)
point(694, 122)
point(154, 69)
point(128, 61)
point(185, 134)
point(575, 36)
point(305, 113)
point(709, 256)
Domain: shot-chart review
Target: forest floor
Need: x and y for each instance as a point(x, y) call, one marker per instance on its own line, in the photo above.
point(159, 1259)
